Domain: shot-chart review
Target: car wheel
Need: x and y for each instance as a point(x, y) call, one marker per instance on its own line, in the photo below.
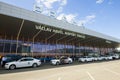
point(69, 62)
point(34, 65)
point(113, 58)
point(85, 61)
point(57, 63)
point(12, 67)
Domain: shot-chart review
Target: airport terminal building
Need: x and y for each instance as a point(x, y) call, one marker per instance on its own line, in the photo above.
point(29, 33)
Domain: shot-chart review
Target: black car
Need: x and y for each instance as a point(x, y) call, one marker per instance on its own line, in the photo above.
point(10, 58)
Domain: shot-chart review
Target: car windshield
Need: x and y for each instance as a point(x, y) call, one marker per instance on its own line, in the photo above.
point(8, 58)
point(54, 58)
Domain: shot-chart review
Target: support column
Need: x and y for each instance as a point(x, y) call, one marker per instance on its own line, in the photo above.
point(11, 44)
point(34, 39)
point(79, 49)
point(4, 44)
point(19, 35)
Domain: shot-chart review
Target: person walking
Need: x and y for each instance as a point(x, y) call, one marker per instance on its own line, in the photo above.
point(0, 59)
point(3, 61)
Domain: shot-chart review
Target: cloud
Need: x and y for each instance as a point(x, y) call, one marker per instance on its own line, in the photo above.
point(86, 20)
point(68, 17)
point(63, 2)
point(60, 9)
point(49, 3)
point(71, 18)
point(99, 1)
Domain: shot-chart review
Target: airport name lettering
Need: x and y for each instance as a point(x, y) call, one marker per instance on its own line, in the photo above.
point(70, 33)
point(81, 36)
point(44, 28)
point(57, 31)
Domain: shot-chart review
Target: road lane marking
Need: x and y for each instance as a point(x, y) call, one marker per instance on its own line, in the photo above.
point(91, 77)
point(116, 73)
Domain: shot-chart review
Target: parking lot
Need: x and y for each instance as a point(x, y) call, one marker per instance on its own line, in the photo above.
point(108, 70)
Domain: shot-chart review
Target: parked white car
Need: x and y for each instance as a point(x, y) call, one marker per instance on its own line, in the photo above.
point(115, 56)
point(109, 57)
point(98, 58)
point(86, 59)
point(55, 61)
point(62, 60)
point(23, 62)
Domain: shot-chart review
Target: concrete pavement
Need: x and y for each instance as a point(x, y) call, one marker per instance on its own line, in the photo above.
point(94, 71)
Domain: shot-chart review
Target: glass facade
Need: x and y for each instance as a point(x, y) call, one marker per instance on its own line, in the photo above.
point(9, 46)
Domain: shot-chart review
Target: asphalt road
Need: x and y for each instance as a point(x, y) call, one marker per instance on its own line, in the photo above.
point(44, 66)
point(109, 70)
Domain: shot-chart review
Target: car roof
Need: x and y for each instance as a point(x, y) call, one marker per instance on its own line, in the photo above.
point(9, 55)
point(27, 58)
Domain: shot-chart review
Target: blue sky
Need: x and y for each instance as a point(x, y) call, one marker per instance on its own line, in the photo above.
point(99, 15)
